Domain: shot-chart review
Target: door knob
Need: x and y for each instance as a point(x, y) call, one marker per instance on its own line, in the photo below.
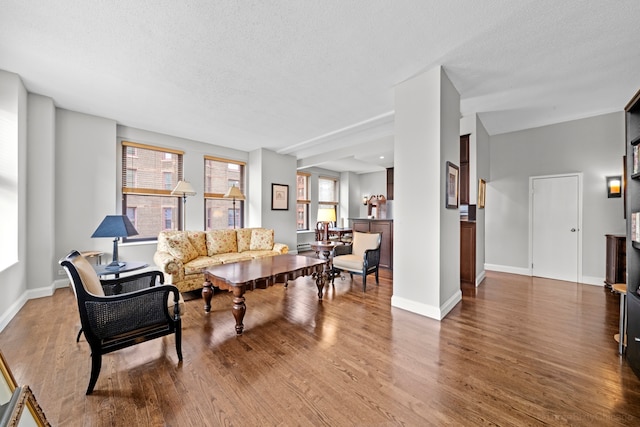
point(573, 230)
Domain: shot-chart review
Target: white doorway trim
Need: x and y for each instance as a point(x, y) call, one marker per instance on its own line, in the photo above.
point(579, 175)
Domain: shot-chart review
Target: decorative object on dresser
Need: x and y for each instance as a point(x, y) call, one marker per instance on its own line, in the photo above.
point(377, 207)
point(120, 313)
point(362, 257)
point(632, 124)
point(115, 226)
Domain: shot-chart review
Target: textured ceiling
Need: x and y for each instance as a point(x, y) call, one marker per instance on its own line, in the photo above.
point(315, 79)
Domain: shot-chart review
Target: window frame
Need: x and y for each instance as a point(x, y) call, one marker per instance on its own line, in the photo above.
point(208, 195)
point(304, 202)
point(131, 150)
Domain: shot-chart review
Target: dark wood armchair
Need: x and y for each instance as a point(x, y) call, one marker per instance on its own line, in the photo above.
point(362, 257)
point(122, 312)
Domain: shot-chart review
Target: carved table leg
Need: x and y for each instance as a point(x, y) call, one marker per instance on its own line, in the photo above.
point(207, 293)
point(239, 308)
point(320, 281)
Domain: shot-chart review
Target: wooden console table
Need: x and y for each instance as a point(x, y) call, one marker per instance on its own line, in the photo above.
point(261, 273)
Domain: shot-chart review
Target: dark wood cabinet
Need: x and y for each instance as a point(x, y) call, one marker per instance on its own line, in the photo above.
point(632, 194)
point(616, 266)
point(464, 170)
point(468, 252)
point(384, 226)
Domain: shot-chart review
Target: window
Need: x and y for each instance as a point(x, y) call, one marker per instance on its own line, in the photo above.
point(302, 204)
point(328, 193)
point(219, 176)
point(149, 175)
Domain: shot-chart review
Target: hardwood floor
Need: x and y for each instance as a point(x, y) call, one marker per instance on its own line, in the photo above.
point(516, 351)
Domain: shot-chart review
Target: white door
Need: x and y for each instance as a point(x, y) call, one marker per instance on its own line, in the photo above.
point(555, 227)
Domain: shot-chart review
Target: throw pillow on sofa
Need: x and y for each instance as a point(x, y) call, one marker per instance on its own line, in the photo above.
point(199, 242)
point(261, 239)
point(221, 242)
point(181, 248)
point(244, 239)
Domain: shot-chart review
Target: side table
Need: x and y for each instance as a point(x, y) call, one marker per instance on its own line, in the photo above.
point(327, 249)
point(102, 270)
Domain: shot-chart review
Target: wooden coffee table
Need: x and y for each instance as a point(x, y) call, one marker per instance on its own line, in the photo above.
point(239, 277)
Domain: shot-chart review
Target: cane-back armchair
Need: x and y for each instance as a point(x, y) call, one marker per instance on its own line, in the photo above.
point(121, 312)
point(362, 257)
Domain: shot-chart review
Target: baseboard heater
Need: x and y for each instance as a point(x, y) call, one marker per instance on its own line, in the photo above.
point(303, 247)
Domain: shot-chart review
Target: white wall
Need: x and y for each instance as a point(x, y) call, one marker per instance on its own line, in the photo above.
point(85, 177)
point(593, 146)
point(41, 190)
point(274, 169)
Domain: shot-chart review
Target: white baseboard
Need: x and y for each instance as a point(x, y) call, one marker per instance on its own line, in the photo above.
point(508, 269)
point(591, 280)
point(480, 277)
point(586, 280)
point(46, 291)
point(8, 315)
point(437, 313)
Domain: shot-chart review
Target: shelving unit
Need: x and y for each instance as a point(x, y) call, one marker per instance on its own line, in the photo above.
point(632, 124)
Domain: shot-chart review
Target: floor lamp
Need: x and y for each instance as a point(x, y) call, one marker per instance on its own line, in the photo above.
point(184, 189)
point(235, 194)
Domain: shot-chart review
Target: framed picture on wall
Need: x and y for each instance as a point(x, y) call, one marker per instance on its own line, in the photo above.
point(452, 181)
point(482, 191)
point(14, 399)
point(279, 197)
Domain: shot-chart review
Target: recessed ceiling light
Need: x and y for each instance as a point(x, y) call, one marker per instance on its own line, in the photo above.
point(382, 157)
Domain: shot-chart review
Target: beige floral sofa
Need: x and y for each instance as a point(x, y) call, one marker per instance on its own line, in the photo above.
point(183, 255)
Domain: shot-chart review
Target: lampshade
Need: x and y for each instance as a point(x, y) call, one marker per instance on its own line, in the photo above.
point(326, 214)
point(115, 226)
point(234, 193)
point(184, 188)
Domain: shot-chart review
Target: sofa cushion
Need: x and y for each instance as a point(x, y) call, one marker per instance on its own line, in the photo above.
point(261, 239)
point(221, 242)
point(244, 239)
point(232, 257)
point(197, 266)
point(348, 262)
point(198, 240)
point(260, 254)
point(180, 247)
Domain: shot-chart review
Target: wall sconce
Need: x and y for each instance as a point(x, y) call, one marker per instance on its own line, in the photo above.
point(614, 186)
point(365, 200)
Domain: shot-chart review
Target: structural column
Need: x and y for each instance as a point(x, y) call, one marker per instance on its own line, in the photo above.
point(426, 234)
